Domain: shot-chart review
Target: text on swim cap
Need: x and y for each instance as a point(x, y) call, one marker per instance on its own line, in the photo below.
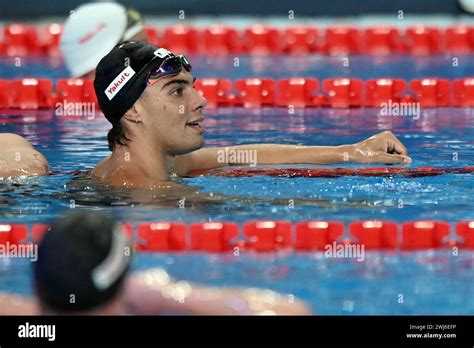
point(117, 84)
point(86, 38)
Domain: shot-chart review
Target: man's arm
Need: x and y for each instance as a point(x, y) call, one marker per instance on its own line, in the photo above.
point(152, 292)
point(380, 148)
point(214, 157)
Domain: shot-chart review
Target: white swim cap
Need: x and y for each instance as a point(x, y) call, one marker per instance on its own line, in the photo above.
point(92, 30)
point(467, 5)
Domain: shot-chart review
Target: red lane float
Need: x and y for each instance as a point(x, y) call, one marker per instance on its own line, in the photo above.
point(221, 40)
point(4, 94)
point(267, 235)
point(256, 92)
point(459, 39)
point(262, 39)
point(216, 91)
point(333, 172)
point(13, 233)
point(342, 92)
point(423, 40)
point(152, 35)
point(181, 39)
point(431, 92)
point(300, 39)
point(382, 90)
point(375, 234)
point(275, 235)
point(161, 236)
point(34, 93)
point(213, 236)
point(298, 92)
point(50, 37)
point(382, 40)
point(424, 235)
point(465, 230)
point(25, 39)
point(75, 91)
point(31, 93)
point(342, 40)
point(316, 235)
point(20, 39)
point(463, 92)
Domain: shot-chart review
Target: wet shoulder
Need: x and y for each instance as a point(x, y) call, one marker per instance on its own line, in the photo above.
point(100, 170)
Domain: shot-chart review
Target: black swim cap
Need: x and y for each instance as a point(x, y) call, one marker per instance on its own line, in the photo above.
point(121, 76)
point(82, 262)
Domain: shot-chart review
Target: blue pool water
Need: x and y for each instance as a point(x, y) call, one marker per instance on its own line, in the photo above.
point(435, 139)
point(422, 283)
point(429, 282)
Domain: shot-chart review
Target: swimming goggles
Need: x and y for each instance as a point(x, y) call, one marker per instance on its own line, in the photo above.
point(171, 66)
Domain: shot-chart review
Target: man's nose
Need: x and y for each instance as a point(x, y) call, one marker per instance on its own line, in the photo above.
point(201, 102)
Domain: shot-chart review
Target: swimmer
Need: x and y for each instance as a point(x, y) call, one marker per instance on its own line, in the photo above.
point(89, 33)
point(83, 269)
point(147, 94)
point(19, 158)
point(92, 30)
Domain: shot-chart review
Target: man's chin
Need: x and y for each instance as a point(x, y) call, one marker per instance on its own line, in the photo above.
point(189, 149)
point(199, 145)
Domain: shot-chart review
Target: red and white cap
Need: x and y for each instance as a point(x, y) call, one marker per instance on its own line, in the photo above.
point(91, 31)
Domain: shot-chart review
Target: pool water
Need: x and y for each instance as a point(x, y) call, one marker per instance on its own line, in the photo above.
point(421, 283)
point(425, 282)
point(439, 138)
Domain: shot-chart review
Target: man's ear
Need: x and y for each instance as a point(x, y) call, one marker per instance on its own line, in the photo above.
point(132, 114)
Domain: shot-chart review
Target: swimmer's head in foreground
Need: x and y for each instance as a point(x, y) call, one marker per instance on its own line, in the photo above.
point(82, 264)
point(83, 269)
point(147, 93)
point(92, 30)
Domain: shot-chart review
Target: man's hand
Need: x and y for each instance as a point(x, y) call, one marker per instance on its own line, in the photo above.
point(380, 148)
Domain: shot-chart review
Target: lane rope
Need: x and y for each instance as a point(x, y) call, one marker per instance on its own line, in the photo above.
point(333, 172)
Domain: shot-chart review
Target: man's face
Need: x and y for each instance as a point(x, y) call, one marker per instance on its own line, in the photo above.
point(172, 113)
